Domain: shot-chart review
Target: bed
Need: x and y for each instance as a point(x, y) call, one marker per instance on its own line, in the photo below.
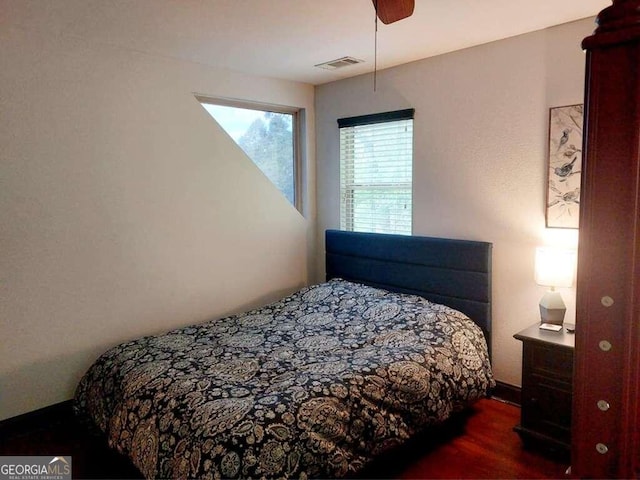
point(315, 385)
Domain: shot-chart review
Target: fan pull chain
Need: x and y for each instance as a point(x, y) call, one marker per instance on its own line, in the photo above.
point(375, 48)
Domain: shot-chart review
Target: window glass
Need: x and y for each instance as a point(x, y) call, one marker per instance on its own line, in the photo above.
point(268, 139)
point(376, 165)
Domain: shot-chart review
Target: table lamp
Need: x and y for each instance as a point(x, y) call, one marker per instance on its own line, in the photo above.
point(554, 268)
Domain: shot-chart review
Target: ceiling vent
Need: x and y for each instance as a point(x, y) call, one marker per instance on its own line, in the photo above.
point(339, 63)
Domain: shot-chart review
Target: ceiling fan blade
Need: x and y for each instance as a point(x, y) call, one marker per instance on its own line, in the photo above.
point(390, 11)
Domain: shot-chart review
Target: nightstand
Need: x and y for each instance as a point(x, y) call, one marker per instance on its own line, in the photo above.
point(547, 384)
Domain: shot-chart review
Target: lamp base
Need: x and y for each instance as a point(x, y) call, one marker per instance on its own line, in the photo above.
point(552, 308)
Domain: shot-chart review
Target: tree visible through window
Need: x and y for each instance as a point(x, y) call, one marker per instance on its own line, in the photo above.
point(376, 163)
point(267, 137)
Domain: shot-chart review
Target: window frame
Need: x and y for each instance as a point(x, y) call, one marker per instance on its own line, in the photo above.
point(297, 130)
point(371, 119)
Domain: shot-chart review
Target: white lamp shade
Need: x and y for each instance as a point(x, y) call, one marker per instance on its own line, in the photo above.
point(555, 266)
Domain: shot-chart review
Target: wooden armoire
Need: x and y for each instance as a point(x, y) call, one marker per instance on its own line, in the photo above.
point(606, 407)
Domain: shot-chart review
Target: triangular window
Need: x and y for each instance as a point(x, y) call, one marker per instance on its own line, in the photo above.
point(267, 136)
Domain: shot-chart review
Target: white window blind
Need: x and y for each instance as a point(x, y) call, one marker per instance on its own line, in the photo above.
point(376, 164)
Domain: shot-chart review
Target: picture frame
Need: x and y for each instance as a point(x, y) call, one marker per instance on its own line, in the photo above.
point(564, 166)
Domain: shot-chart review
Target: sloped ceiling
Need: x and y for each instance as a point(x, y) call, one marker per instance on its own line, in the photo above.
point(286, 38)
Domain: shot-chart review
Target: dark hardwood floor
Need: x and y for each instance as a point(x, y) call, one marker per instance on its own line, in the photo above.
point(56, 432)
point(479, 444)
point(488, 448)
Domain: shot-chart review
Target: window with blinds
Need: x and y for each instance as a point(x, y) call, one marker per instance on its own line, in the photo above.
point(376, 164)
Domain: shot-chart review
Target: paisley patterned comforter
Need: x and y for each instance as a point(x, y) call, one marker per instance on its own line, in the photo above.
point(314, 385)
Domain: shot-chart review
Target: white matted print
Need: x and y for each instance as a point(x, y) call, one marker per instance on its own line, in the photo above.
point(565, 166)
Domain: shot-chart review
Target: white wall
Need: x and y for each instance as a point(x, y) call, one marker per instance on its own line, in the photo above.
point(125, 210)
point(480, 140)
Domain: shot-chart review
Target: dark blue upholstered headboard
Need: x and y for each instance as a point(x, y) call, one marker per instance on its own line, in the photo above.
point(456, 273)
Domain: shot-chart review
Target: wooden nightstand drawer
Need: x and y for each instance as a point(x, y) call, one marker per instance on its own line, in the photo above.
point(547, 371)
point(546, 408)
point(550, 361)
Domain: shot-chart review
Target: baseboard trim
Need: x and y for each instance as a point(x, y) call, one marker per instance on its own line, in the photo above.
point(507, 393)
point(59, 412)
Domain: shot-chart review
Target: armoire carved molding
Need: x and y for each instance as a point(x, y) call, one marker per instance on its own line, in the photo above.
point(606, 408)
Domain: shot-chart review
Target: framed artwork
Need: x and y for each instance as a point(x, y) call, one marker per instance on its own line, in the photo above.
point(564, 166)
